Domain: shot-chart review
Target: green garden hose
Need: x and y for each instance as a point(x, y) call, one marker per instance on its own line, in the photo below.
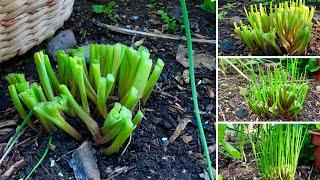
point(193, 87)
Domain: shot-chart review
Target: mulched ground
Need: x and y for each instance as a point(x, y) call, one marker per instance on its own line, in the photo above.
point(231, 169)
point(232, 105)
point(230, 43)
point(146, 157)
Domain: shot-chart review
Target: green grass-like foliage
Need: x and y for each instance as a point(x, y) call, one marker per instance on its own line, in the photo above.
point(289, 23)
point(276, 92)
point(277, 150)
point(113, 70)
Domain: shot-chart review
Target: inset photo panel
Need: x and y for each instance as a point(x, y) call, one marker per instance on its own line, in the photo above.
point(268, 28)
point(275, 90)
point(268, 151)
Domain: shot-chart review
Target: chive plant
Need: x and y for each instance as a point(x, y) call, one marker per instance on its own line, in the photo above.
point(276, 92)
point(113, 70)
point(289, 23)
point(277, 150)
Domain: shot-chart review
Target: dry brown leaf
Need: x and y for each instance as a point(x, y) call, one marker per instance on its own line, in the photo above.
point(210, 92)
point(181, 126)
point(200, 60)
point(186, 139)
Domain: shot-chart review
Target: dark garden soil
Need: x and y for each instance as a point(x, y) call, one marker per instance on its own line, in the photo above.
point(231, 169)
point(147, 157)
point(232, 105)
point(230, 43)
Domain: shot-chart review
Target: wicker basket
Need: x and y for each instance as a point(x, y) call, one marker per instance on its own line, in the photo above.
point(26, 23)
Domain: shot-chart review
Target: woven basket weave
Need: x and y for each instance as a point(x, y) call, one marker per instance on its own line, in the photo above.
point(26, 23)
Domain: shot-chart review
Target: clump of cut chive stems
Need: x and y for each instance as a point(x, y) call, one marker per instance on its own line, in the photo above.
point(112, 70)
point(277, 150)
point(277, 92)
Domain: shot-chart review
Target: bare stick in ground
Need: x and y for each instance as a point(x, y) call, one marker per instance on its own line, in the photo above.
point(156, 35)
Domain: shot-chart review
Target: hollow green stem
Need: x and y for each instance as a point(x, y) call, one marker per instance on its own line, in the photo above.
point(130, 100)
point(86, 118)
point(43, 75)
point(152, 80)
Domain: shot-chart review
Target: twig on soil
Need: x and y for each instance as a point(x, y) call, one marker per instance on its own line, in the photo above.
point(156, 35)
point(125, 149)
point(65, 155)
point(15, 167)
point(309, 177)
point(222, 114)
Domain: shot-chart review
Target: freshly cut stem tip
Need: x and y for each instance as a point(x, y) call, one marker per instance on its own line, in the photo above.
point(43, 75)
point(112, 118)
point(120, 139)
point(137, 118)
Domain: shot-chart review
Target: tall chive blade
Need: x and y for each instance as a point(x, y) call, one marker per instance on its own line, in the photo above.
point(101, 99)
point(93, 56)
point(142, 75)
point(17, 103)
point(51, 74)
point(43, 75)
point(96, 72)
point(118, 54)
point(109, 59)
point(109, 85)
point(60, 61)
point(85, 117)
point(152, 80)
point(38, 92)
point(103, 57)
point(123, 77)
point(133, 58)
point(130, 100)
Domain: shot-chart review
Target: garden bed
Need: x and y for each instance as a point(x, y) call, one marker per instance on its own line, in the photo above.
point(232, 169)
point(230, 43)
point(147, 155)
point(233, 106)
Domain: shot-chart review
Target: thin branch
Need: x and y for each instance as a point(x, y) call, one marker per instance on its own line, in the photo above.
point(156, 35)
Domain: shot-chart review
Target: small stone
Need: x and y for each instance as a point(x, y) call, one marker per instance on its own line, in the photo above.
point(227, 46)
point(60, 174)
point(209, 107)
point(52, 162)
point(241, 113)
point(134, 17)
point(318, 89)
point(64, 40)
point(235, 19)
point(166, 124)
point(165, 141)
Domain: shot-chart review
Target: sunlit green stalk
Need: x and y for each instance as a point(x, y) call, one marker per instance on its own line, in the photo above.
point(142, 75)
point(43, 75)
point(50, 112)
point(130, 100)
point(86, 118)
point(152, 80)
